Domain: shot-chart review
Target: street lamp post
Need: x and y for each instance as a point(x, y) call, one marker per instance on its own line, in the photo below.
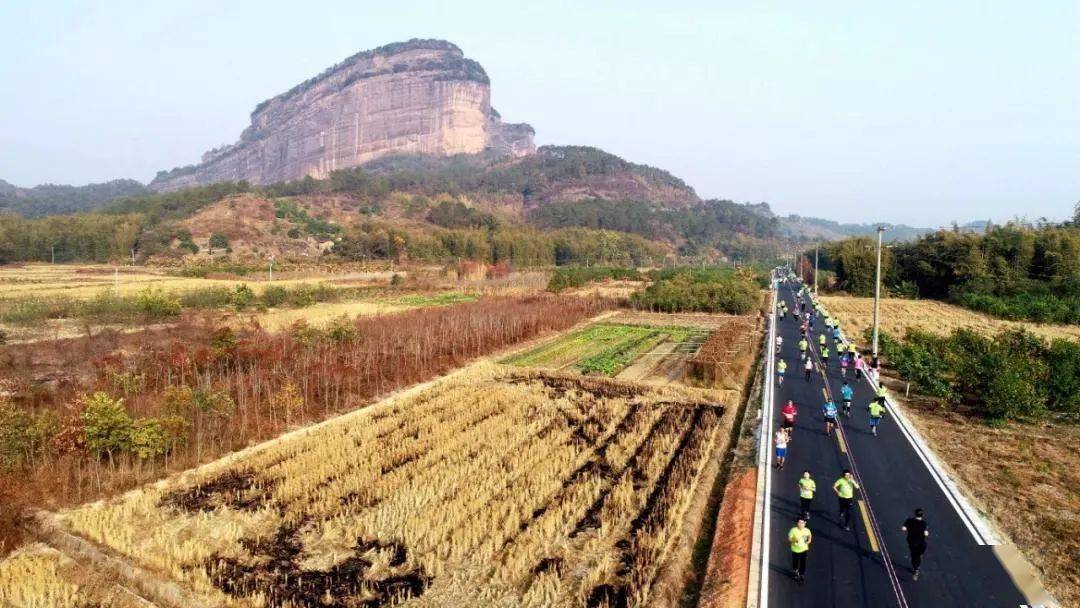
point(815, 268)
point(877, 290)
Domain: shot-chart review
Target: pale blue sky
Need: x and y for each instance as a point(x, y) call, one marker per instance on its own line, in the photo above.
point(916, 112)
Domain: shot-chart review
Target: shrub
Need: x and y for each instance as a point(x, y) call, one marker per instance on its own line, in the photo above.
point(242, 297)
point(155, 304)
point(207, 298)
point(302, 297)
point(219, 241)
point(341, 330)
point(274, 295)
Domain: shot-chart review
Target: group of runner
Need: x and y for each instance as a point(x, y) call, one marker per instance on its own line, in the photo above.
point(800, 536)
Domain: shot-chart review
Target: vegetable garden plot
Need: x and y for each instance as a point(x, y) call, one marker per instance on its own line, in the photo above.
point(608, 348)
point(491, 487)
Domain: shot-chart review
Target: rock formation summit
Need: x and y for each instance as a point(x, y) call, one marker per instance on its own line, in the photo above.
point(415, 97)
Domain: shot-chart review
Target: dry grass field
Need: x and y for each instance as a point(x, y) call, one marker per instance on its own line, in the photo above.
point(929, 315)
point(491, 487)
point(89, 280)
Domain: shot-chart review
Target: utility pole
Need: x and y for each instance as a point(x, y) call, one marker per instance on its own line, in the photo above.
point(116, 279)
point(53, 254)
point(271, 271)
point(815, 268)
point(877, 290)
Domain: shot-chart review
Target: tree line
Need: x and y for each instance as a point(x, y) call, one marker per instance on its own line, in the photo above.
point(1015, 271)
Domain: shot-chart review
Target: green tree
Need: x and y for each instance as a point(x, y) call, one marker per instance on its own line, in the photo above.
point(149, 438)
point(107, 425)
point(15, 427)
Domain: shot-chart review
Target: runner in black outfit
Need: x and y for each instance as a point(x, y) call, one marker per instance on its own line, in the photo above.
point(916, 540)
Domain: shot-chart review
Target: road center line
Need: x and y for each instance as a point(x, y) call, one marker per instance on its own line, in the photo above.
point(869, 530)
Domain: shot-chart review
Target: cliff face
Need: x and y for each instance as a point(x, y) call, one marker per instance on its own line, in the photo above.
point(416, 97)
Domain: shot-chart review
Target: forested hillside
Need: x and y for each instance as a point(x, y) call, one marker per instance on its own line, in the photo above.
point(51, 199)
point(563, 205)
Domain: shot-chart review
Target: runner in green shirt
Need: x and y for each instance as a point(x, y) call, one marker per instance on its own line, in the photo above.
point(881, 393)
point(803, 345)
point(845, 492)
point(807, 487)
point(781, 367)
point(876, 412)
point(799, 539)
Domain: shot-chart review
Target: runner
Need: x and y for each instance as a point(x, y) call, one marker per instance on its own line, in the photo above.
point(877, 410)
point(843, 365)
point(781, 367)
point(803, 345)
point(845, 492)
point(846, 393)
point(779, 343)
point(825, 357)
point(809, 368)
point(853, 350)
point(799, 538)
point(781, 447)
point(880, 397)
point(789, 413)
point(829, 411)
point(807, 487)
point(859, 364)
point(916, 540)
point(821, 340)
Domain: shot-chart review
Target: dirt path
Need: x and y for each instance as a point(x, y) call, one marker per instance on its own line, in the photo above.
point(644, 365)
point(726, 577)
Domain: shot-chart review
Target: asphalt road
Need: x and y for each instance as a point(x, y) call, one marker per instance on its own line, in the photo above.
point(868, 565)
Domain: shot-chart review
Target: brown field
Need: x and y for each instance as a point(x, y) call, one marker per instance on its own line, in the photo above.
point(928, 315)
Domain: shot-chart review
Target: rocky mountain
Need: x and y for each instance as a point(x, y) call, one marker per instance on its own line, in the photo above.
point(415, 97)
point(51, 199)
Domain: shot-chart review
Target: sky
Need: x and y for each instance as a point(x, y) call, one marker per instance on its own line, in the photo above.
point(910, 112)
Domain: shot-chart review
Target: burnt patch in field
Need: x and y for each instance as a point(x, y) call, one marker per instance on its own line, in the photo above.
point(274, 571)
point(232, 489)
point(559, 386)
point(608, 596)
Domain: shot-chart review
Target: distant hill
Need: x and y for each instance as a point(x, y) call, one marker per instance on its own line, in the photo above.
point(812, 228)
point(51, 199)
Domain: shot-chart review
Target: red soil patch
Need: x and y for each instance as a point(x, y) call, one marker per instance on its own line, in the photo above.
point(727, 575)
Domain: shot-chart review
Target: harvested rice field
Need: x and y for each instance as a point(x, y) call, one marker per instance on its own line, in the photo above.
point(898, 315)
point(495, 486)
